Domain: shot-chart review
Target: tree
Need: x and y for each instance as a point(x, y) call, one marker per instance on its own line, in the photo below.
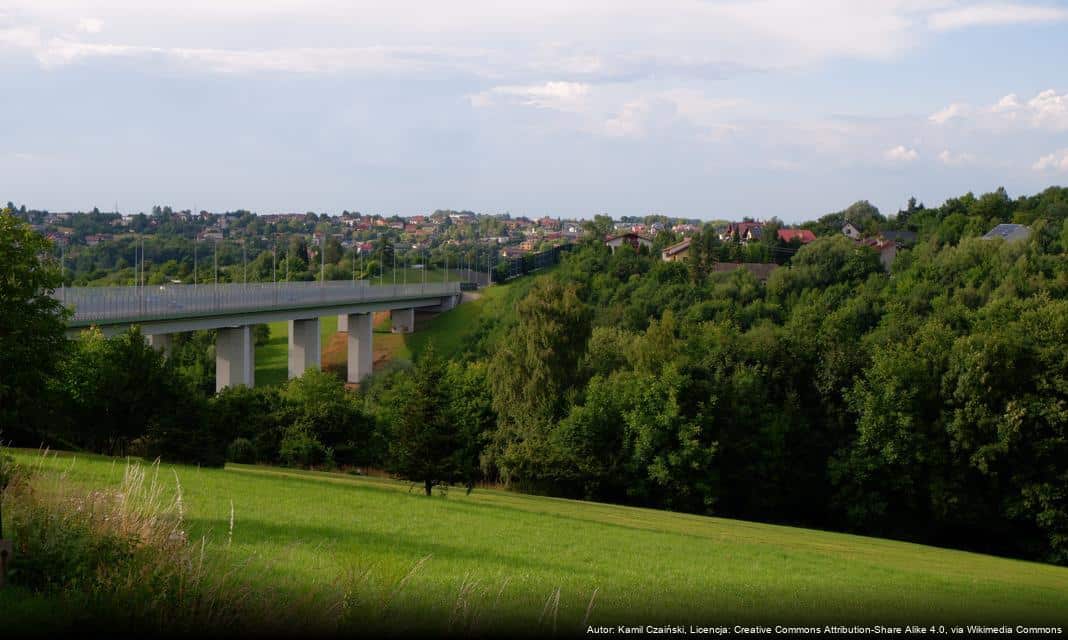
point(120, 389)
point(534, 367)
point(32, 325)
point(424, 439)
point(317, 404)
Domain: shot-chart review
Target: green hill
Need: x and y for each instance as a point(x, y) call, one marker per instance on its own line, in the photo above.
point(305, 531)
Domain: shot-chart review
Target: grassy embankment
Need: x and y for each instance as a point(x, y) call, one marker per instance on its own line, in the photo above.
point(511, 557)
point(448, 331)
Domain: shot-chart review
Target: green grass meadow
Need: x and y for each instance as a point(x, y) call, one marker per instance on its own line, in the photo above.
point(305, 532)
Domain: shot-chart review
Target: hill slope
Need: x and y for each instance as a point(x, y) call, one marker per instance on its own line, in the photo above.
point(306, 530)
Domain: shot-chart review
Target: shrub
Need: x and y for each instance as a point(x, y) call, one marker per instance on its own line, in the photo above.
point(241, 450)
point(299, 448)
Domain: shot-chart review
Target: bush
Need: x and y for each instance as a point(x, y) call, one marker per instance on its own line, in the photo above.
point(241, 450)
point(299, 448)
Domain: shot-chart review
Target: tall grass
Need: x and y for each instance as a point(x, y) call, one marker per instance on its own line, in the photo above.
point(122, 556)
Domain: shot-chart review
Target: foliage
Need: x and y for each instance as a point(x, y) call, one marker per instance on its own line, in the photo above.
point(31, 326)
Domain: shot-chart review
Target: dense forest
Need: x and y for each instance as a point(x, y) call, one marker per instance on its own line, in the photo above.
point(928, 403)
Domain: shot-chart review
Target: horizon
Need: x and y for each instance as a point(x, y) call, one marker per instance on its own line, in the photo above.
point(534, 216)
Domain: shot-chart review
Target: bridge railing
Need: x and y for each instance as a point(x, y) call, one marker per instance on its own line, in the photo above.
point(118, 304)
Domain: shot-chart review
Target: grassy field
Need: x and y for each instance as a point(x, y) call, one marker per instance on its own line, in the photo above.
point(306, 531)
point(272, 359)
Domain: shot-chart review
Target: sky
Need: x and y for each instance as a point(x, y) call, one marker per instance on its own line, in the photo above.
point(705, 109)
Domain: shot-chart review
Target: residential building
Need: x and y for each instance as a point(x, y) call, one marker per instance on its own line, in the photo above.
point(851, 231)
point(748, 231)
point(676, 252)
point(633, 239)
point(805, 236)
point(1008, 232)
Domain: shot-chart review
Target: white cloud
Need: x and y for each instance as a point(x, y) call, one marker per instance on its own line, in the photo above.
point(900, 153)
point(90, 25)
point(630, 122)
point(560, 96)
point(955, 110)
point(951, 159)
point(1048, 111)
point(986, 15)
point(1057, 161)
point(506, 38)
point(1008, 103)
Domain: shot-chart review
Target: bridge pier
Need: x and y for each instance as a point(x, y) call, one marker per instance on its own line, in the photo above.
point(402, 320)
point(161, 342)
point(235, 357)
point(361, 349)
point(343, 323)
point(304, 346)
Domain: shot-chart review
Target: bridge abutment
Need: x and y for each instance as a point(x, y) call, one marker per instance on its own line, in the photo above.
point(304, 346)
point(235, 361)
point(361, 349)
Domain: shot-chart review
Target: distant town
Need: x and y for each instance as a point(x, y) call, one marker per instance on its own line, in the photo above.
point(478, 241)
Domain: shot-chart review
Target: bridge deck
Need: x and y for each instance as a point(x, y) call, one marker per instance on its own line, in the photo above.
point(123, 305)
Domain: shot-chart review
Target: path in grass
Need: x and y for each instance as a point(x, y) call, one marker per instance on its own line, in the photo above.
point(305, 529)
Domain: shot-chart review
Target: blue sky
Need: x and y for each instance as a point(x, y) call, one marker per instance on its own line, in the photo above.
point(691, 108)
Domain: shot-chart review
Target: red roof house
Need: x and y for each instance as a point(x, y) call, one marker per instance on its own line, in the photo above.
point(804, 235)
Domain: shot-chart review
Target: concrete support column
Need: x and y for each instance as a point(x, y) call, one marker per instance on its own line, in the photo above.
point(343, 323)
point(161, 342)
point(402, 320)
point(361, 350)
point(235, 357)
point(304, 346)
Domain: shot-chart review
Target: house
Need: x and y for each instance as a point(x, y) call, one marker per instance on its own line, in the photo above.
point(676, 252)
point(851, 231)
point(805, 236)
point(529, 245)
point(1008, 232)
point(743, 231)
point(760, 270)
point(887, 250)
point(633, 239)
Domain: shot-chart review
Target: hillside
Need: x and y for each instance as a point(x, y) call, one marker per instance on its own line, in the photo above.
point(448, 331)
point(303, 531)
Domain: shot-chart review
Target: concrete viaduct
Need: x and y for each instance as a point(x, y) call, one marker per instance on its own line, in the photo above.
point(232, 309)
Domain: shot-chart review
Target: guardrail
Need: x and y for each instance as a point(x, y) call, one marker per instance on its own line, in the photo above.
point(154, 302)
